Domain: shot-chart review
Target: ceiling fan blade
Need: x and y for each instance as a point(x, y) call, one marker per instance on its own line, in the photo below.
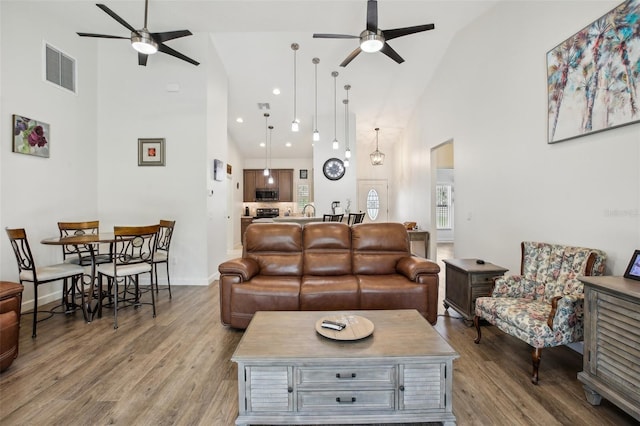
point(170, 35)
point(372, 15)
point(388, 50)
point(101, 36)
point(399, 32)
point(169, 51)
point(351, 56)
point(334, 36)
point(117, 18)
point(142, 59)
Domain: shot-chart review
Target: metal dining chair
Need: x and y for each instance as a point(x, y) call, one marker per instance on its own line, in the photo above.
point(162, 253)
point(29, 272)
point(133, 254)
point(81, 254)
point(354, 218)
point(332, 217)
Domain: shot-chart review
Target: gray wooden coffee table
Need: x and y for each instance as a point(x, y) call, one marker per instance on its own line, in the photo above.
point(290, 374)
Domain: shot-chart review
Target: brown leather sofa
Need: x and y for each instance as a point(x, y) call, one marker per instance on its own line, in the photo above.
point(325, 266)
point(10, 309)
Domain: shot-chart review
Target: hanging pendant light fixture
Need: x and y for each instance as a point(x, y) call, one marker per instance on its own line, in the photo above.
point(295, 124)
point(335, 144)
point(265, 172)
point(377, 157)
point(316, 133)
point(347, 152)
point(270, 180)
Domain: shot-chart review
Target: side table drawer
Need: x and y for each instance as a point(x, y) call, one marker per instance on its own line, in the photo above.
point(346, 376)
point(477, 278)
point(337, 400)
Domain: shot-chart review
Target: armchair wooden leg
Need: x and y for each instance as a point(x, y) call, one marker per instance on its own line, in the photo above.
point(535, 355)
point(476, 322)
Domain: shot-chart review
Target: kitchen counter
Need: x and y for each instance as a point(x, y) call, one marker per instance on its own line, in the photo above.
point(297, 219)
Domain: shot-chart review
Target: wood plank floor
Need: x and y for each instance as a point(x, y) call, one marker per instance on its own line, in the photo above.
point(176, 370)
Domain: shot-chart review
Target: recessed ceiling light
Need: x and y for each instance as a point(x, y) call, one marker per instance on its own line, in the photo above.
point(276, 91)
point(262, 144)
point(239, 120)
point(288, 144)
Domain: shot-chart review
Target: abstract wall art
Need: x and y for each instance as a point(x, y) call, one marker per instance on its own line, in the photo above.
point(593, 77)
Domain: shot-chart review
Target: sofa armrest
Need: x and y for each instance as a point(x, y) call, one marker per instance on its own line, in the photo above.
point(244, 267)
point(566, 311)
point(514, 286)
point(413, 266)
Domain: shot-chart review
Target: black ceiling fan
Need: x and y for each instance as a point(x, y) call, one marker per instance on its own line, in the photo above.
point(143, 41)
point(373, 39)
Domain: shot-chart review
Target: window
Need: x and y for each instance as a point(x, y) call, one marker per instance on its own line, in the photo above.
point(373, 204)
point(444, 213)
point(60, 69)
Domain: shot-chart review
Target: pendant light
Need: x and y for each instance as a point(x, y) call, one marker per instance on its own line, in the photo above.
point(377, 157)
point(265, 172)
point(347, 152)
point(335, 144)
point(270, 180)
point(316, 133)
point(295, 124)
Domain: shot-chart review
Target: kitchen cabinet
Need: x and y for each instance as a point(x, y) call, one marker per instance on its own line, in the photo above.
point(285, 185)
point(249, 186)
point(255, 179)
point(245, 221)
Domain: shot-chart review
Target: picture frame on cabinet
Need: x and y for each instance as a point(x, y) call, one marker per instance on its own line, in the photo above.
point(633, 270)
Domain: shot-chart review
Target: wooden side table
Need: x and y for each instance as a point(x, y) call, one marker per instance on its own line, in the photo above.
point(466, 280)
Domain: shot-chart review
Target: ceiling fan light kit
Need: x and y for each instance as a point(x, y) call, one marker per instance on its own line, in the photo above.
point(143, 43)
point(371, 42)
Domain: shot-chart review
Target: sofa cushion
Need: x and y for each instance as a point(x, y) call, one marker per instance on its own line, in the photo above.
point(332, 293)
point(277, 247)
point(263, 293)
point(377, 247)
point(327, 248)
point(392, 292)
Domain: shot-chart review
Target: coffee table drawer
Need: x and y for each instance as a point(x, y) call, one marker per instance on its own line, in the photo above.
point(375, 375)
point(346, 400)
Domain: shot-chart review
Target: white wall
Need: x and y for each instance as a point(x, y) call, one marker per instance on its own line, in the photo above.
point(490, 96)
point(36, 193)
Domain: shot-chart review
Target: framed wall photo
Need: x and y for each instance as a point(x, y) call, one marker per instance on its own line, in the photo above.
point(633, 270)
point(303, 173)
point(150, 152)
point(30, 136)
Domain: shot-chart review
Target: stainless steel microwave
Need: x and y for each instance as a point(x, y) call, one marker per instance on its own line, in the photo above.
point(266, 194)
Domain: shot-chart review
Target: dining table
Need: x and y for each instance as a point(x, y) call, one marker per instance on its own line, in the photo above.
point(91, 242)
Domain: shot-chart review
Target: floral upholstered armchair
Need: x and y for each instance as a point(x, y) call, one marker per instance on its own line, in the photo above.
point(544, 305)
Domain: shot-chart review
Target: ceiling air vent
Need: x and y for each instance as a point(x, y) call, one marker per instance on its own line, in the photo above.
point(264, 106)
point(60, 69)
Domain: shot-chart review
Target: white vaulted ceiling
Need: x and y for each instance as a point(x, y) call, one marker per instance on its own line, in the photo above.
point(253, 40)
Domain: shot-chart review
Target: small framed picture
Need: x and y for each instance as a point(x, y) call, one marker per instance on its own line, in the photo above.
point(150, 152)
point(633, 270)
point(303, 173)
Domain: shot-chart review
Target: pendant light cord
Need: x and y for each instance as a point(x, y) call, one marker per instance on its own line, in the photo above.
point(335, 108)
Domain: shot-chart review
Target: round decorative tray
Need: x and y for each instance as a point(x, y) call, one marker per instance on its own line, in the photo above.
point(357, 327)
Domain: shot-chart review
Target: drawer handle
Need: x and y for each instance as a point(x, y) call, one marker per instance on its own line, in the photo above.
point(340, 401)
point(340, 376)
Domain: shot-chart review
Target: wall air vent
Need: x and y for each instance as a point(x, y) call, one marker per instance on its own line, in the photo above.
point(60, 69)
point(264, 106)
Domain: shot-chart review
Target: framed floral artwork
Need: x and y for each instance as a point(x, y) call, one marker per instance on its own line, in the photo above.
point(150, 152)
point(30, 136)
point(593, 77)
